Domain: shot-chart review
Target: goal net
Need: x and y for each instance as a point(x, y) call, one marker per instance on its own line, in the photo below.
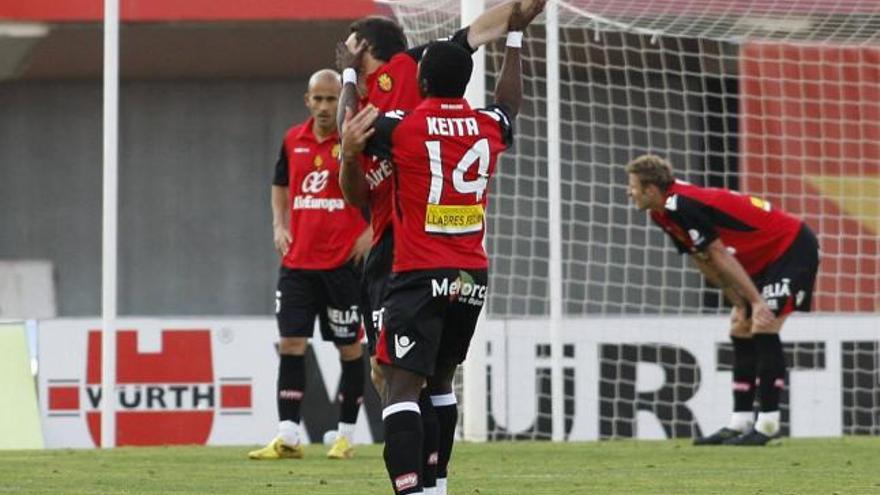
point(776, 98)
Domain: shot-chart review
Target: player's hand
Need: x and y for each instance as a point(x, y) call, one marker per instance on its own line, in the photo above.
point(520, 17)
point(357, 130)
point(346, 58)
point(361, 246)
point(740, 323)
point(762, 316)
point(282, 240)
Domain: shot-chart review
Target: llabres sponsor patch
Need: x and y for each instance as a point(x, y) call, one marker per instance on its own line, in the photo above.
point(454, 219)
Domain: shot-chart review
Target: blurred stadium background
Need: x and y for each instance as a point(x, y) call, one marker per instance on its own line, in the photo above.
point(778, 98)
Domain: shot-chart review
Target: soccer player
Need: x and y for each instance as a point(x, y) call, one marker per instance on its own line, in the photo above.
point(764, 260)
point(443, 154)
point(379, 67)
point(321, 240)
point(376, 50)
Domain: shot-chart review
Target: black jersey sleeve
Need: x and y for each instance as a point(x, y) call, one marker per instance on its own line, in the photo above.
point(680, 246)
point(500, 114)
point(459, 38)
point(691, 215)
point(282, 176)
point(379, 144)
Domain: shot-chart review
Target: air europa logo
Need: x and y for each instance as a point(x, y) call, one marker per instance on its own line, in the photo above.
point(168, 397)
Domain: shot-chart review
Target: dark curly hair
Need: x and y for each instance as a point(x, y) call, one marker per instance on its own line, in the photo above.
point(385, 37)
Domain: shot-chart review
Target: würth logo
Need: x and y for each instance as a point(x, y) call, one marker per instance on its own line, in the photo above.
point(163, 398)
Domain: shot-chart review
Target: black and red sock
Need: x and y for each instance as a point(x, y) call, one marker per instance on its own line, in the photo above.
point(430, 440)
point(351, 390)
point(291, 387)
point(771, 370)
point(446, 408)
point(403, 446)
point(745, 360)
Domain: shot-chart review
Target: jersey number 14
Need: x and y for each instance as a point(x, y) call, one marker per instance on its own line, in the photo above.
point(457, 219)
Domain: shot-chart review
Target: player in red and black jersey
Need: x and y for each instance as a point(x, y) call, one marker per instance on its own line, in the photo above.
point(321, 240)
point(376, 50)
point(383, 74)
point(443, 154)
point(764, 260)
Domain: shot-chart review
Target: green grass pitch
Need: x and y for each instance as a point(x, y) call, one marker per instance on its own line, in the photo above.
point(841, 466)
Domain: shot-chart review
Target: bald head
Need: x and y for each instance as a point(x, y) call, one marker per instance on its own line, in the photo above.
point(321, 99)
point(325, 76)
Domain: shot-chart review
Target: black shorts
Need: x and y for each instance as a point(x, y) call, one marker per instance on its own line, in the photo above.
point(331, 295)
point(429, 317)
point(787, 284)
point(377, 273)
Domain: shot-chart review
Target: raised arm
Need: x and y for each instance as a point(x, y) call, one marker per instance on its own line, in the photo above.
point(348, 64)
point(508, 90)
point(357, 130)
point(493, 23)
point(348, 103)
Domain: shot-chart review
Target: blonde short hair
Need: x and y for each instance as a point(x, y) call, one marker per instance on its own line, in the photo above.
point(651, 169)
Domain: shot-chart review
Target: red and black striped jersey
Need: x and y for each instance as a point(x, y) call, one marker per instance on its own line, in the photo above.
point(444, 154)
point(394, 86)
point(323, 226)
point(755, 233)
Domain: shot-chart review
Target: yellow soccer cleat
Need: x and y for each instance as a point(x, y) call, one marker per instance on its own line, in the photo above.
point(277, 450)
point(341, 449)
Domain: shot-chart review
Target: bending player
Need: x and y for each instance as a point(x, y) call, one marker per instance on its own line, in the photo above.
point(321, 241)
point(376, 51)
point(444, 154)
point(763, 259)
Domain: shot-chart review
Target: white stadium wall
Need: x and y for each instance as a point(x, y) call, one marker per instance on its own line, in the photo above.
point(213, 380)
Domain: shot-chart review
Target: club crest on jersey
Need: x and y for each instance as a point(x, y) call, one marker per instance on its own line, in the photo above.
point(760, 203)
point(386, 83)
point(334, 152)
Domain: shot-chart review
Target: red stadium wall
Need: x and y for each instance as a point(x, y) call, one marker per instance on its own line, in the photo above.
point(186, 10)
point(811, 145)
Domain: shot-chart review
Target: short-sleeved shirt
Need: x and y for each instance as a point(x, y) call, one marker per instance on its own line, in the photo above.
point(444, 154)
point(753, 230)
point(394, 86)
point(323, 226)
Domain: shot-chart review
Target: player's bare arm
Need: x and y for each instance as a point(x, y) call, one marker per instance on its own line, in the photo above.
point(732, 272)
point(708, 270)
point(348, 59)
point(495, 22)
point(508, 90)
point(740, 324)
point(281, 220)
point(356, 131)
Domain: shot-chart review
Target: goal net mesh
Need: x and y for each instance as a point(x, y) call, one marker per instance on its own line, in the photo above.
point(779, 99)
